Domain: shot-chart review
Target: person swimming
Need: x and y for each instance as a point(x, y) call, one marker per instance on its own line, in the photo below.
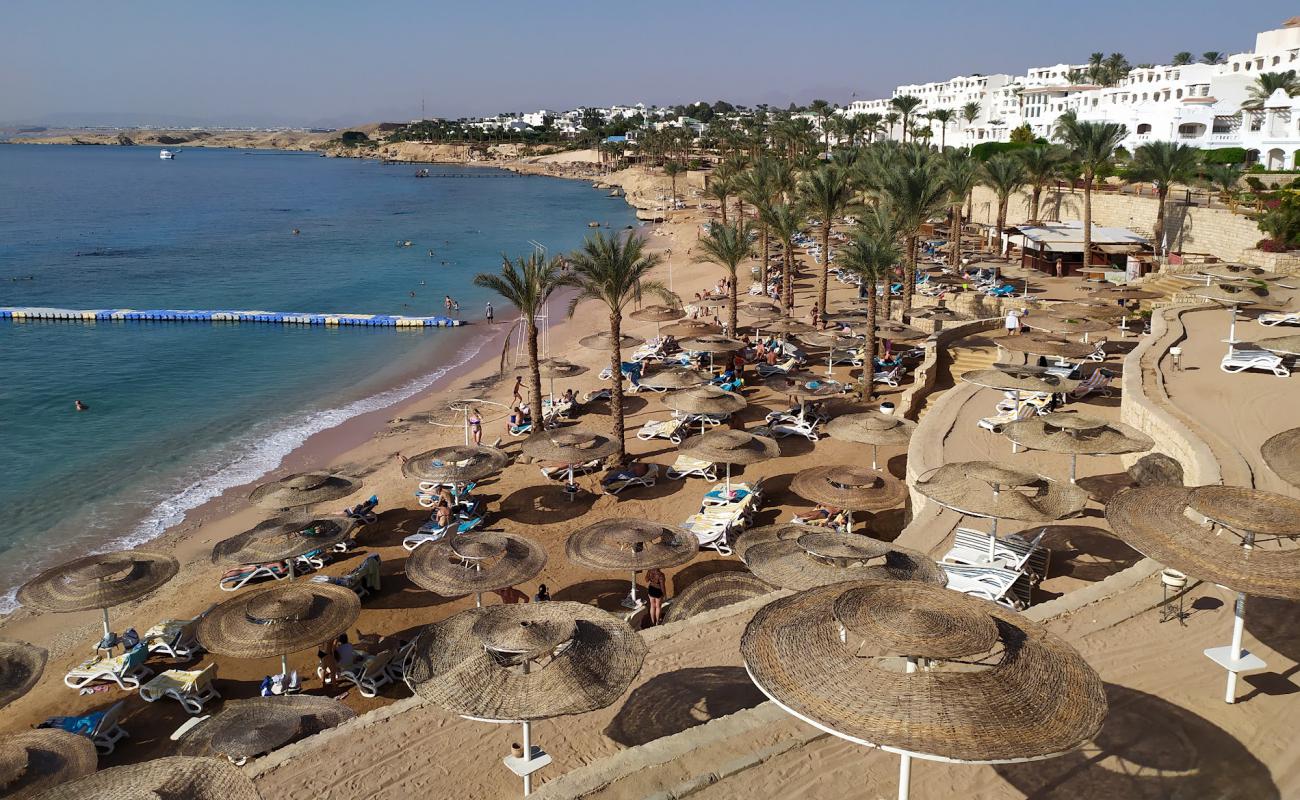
point(82, 406)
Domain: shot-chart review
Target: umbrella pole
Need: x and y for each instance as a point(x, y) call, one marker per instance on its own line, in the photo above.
point(1238, 624)
point(873, 457)
point(290, 561)
point(108, 632)
point(528, 756)
point(848, 524)
point(632, 601)
point(905, 759)
point(830, 363)
point(284, 665)
point(1074, 462)
point(727, 494)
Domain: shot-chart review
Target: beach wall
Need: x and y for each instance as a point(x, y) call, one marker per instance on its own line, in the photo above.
point(1217, 231)
point(927, 372)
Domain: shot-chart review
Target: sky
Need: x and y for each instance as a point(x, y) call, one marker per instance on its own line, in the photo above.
point(287, 62)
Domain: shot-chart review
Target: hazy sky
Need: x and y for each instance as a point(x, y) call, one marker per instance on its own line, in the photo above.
point(327, 62)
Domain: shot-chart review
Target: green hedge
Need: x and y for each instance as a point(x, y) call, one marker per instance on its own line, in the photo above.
point(985, 151)
point(1225, 155)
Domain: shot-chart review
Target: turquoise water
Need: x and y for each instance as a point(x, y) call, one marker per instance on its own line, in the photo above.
point(180, 412)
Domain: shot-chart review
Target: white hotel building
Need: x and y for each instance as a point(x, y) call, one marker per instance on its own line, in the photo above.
point(1197, 104)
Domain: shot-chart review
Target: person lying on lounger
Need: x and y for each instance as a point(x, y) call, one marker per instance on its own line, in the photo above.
point(636, 469)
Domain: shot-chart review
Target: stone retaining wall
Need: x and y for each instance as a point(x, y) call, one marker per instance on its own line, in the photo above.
point(926, 373)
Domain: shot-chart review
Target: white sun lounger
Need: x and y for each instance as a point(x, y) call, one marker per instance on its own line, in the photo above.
point(784, 368)
point(175, 638)
point(686, 467)
point(247, 573)
point(889, 377)
point(369, 673)
point(127, 670)
point(1098, 381)
point(1014, 552)
point(1003, 586)
point(105, 734)
point(430, 532)
point(1280, 318)
point(795, 425)
point(191, 688)
point(996, 423)
point(1238, 360)
point(670, 429)
point(616, 485)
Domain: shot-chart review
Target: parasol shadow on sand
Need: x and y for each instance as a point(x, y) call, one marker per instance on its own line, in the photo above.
point(679, 700)
point(542, 505)
point(1147, 748)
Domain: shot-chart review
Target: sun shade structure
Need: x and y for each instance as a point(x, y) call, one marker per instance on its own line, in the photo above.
point(1233, 296)
point(1282, 345)
point(762, 311)
point(1124, 293)
point(98, 582)
point(936, 313)
point(831, 341)
point(247, 728)
point(456, 464)
point(555, 368)
point(486, 562)
point(279, 620)
point(898, 332)
point(1085, 310)
point(873, 428)
point(303, 489)
point(1076, 435)
point(704, 401)
point(675, 378)
point(1165, 523)
point(787, 326)
point(657, 313)
point(1066, 325)
point(1239, 272)
point(164, 778)
point(1009, 378)
point(824, 557)
point(1282, 455)
point(851, 488)
point(519, 663)
point(691, 327)
point(715, 591)
point(803, 386)
point(21, 665)
point(33, 761)
point(284, 539)
point(631, 545)
point(1041, 344)
point(603, 342)
point(924, 672)
point(569, 447)
point(726, 446)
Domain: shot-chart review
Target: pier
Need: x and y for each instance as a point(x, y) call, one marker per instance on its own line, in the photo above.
point(274, 317)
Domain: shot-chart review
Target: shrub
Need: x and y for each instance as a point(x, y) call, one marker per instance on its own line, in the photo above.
point(1272, 246)
point(354, 137)
point(986, 150)
point(1225, 155)
point(1282, 224)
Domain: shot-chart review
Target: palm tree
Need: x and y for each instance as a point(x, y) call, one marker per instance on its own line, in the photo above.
point(824, 112)
point(672, 169)
point(756, 185)
point(1096, 68)
point(1212, 57)
point(961, 174)
point(826, 192)
point(872, 258)
point(1117, 67)
point(1267, 83)
point(727, 246)
point(1042, 169)
point(1164, 164)
point(785, 220)
point(1093, 146)
point(891, 119)
point(916, 192)
point(1004, 173)
point(721, 186)
point(942, 116)
point(874, 123)
point(970, 112)
point(1181, 59)
point(1224, 178)
point(527, 284)
point(852, 127)
point(905, 105)
point(613, 271)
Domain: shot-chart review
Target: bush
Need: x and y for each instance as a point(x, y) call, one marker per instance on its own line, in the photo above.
point(1282, 223)
point(986, 150)
point(1224, 155)
point(1272, 246)
point(1256, 168)
point(354, 137)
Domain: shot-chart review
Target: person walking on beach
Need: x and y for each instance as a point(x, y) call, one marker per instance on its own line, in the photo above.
point(489, 313)
point(1012, 323)
point(476, 426)
point(518, 396)
point(654, 588)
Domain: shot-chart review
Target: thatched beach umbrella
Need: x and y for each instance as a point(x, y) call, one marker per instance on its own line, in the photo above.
point(1232, 296)
point(244, 729)
point(569, 447)
point(762, 311)
point(713, 343)
point(284, 538)
point(473, 565)
point(164, 778)
point(779, 531)
point(34, 761)
point(1076, 435)
point(552, 368)
point(824, 557)
point(1011, 378)
point(803, 388)
point(687, 328)
point(1086, 310)
point(715, 591)
point(1066, 325)
point(1282, 455)
point(1237, 272)
point(1041, 344)
point(602, 342)
point(303, 489)
point(851, 488)
point(279, 620)
point(630, 545)
point(787, 326)
point(519, 663)
point(457, 465)
point(674, 378)
point(924, 672)
point(727, 446)
point(936, 313)
point(873, 428)
point(21, 665)
point(704, 401)
point(832, 342)
point(98, 582)
point(898, 332)
point(1162, 523)
point(1123, 293)
point(658, 314)
point(1282, 345)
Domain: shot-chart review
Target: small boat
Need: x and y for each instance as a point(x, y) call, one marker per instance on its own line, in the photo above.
point(422, 173)
point(593, 224)
point(167, 155)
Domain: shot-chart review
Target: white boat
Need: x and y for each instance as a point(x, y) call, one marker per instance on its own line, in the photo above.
point(166, 155)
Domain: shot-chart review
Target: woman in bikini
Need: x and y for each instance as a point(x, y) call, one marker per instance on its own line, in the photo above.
point(476, 425)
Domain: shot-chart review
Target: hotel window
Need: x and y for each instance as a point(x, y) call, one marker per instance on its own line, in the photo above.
point(1179, 94)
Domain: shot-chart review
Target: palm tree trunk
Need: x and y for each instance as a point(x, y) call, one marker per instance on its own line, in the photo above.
point(1087, 219)
point(724, 211)
point(731, 311)
point(826, 265)
point(954, 258)
point(534, 374)
point(869, 349)
point(787, 276)
point(1162, 196)
point(970, 204)
point(1033, 213)
point(740, 210)
point(762, 266)
point(1002, 222)
point(943, 136)
point(909, 271)
point(616, 389)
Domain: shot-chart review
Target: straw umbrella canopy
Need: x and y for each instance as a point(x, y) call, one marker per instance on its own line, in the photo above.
point(284, 539)
point(21, 665)
point(715, 591)
point(686, 328)
point(631, 545)
point(873, 428)
point(1041, 344)
point(803, 387)
point(779, 531)
point(603, 342)
point(552, 368)
point(712, 343)
point(303, 489)
point(851, 488)
point(787, 326)
point(1232, 296)
point(1124, 293)
point(657, 313)
point(279, 620)
point(525, 662)
point(824, 557)
point(458, 464)
point(674, 378)
point(704, 401)
point(762, 311)
point(247, 728)
point(1282, 455)
point(1240, 272)
point(727, 446)
point(937, 313)
point(846, 658)
point(1087, 310)
point(898, 332)
point(1282, 345)
point(1155, 521)
point(569, 446)
point(473, 565)
point(1065, 325)
point(100, 581)
point(165, 778)
point(1076, 435)
point(36, 760)
point(831, 341)
point(1018, 379)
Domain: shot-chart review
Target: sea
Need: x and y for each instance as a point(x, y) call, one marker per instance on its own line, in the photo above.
point(180, 412)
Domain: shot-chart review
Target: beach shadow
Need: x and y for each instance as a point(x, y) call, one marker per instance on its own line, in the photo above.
point(607, 594)
point(1275, 623)
point(1101, 488)
point(897, 466)
point(883, 525)
point(1273, 684)
point(1148, 749)
point(545, 505)
point(1086, 553)
point(676, 701)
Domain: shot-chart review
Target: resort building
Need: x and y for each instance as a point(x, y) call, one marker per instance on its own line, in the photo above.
point(1197, 104)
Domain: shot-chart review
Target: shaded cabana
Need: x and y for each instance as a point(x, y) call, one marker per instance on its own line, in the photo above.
point(1042, 245)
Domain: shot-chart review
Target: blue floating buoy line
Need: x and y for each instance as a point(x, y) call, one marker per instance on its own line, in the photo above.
point(279, 317)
